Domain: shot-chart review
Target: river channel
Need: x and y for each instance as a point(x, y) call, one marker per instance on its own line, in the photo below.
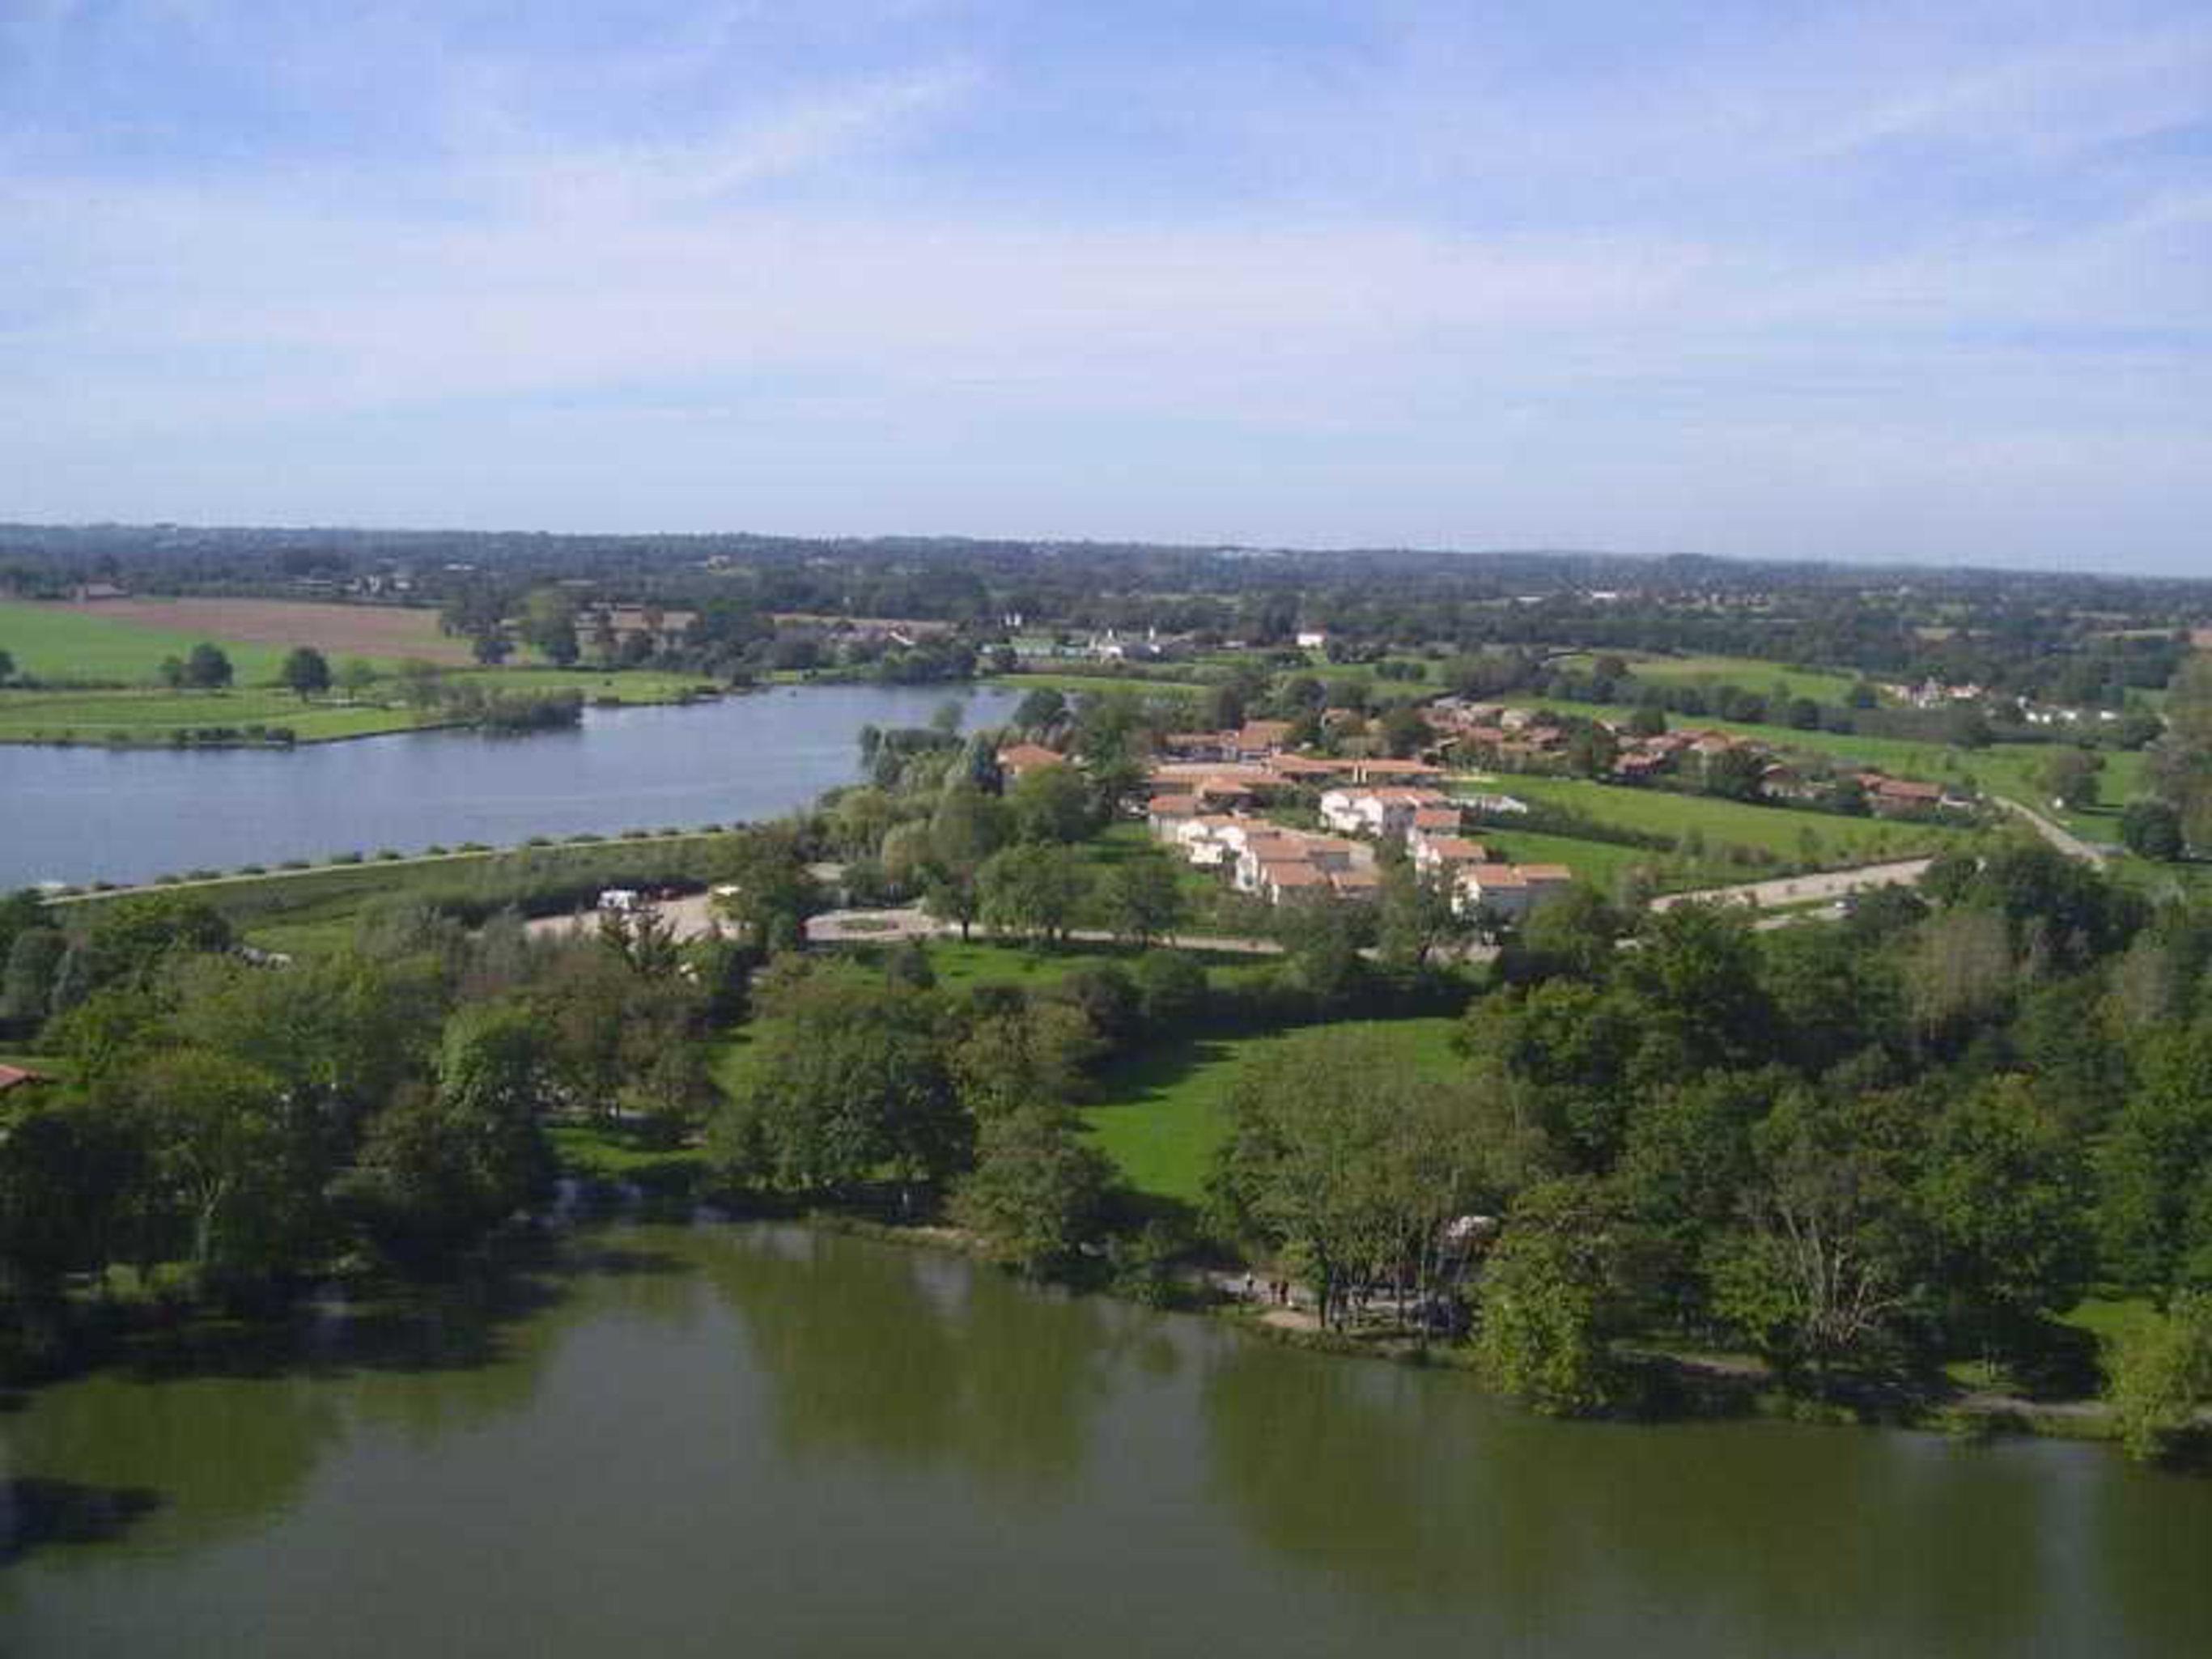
point(769, 1440)
point(82, 815)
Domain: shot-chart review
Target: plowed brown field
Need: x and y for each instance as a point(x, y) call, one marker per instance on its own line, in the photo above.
point(349, 630)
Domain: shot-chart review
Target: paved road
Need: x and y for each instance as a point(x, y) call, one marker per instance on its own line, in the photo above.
point(1803, 889)
point(2057, 835)
point(691, 917)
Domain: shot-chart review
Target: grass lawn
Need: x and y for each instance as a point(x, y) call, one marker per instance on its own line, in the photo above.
point(1052, 678)
point(1821, 838)
point(960, 967)
point(2107, 1319)
point(1603, 864)
point(52, 643)
point(149, 715)
point(1161, 1114)
point(1754, 674)
point(2013, 771)
point(316, 908)
point(601, 1152)
point(2005, 769)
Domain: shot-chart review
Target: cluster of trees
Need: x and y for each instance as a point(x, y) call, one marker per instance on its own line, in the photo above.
point(441, 698)
point(232, 1129)
point(1867, 1148)
point(2177, 817)
point(863, 1082)
point(205, 667)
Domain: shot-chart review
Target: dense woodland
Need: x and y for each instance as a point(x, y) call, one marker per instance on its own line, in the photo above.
point(2078, 638)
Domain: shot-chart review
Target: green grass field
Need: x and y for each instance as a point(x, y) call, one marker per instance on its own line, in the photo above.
point(1749, 673)
point(148, 716)
point(305, 910)
point(2012, 771)
point(1162, 1113)
point(960, 967)
point(1811, 838)
point(54, 644)
point(2007, 769)
point(1053, 680)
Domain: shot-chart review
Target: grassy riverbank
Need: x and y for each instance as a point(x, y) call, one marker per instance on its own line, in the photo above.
point(317, 907)
point(263, 714)
point(1161, 1114)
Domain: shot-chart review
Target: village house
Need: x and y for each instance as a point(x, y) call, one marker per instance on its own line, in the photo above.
point(1509, 892)
point(1200, 745)
point(1277, 879)
point(1892, 798)
point(1490, 805)
point(1020, 757)
point(662, 630)
point(1165, 814)
point(1258, 740)
point(1385, 770)
point(1305, 769)
point(1385, 813)
point(1447, 856)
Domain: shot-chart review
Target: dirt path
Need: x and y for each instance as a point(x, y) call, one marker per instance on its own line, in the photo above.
point(1802, 890)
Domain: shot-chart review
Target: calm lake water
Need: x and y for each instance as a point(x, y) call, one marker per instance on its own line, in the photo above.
point(773, 1441)
point(81, 815)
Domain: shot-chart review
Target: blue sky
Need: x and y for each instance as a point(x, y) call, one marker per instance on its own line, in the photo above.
point(1909, 281)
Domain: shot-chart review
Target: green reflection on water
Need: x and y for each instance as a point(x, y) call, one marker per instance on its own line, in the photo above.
point(661, 1436)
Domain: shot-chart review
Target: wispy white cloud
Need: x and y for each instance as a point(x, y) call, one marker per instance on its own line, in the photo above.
point(1337, 293)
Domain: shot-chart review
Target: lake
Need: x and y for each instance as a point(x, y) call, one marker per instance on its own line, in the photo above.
point(770, 1440)
point(82, 815)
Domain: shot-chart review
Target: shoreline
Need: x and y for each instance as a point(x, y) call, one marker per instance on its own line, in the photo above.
point(165, 739)
point(1673, 1387)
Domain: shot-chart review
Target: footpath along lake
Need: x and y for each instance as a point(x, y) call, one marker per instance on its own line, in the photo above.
point(772, 1440)
point(81, 815)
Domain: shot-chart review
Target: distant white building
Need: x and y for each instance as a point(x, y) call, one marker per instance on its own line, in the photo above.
point(1384, 811)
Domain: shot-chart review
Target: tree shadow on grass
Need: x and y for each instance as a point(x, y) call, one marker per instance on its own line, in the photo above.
point(1159, 1122)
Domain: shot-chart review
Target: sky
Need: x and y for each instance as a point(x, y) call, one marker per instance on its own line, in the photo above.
point(1919, 282)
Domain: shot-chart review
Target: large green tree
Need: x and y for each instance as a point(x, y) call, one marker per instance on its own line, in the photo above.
point(1038, 1190)
point(1546, 1308)
point(305, 672)
point(846, 1081)
point(1032, 890)
point(1354, 1166)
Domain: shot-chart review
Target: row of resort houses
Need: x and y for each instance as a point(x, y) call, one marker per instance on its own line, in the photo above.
point(1275, 862)
point(1533, 740)
point(1209, 789)
point(1204, 791)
